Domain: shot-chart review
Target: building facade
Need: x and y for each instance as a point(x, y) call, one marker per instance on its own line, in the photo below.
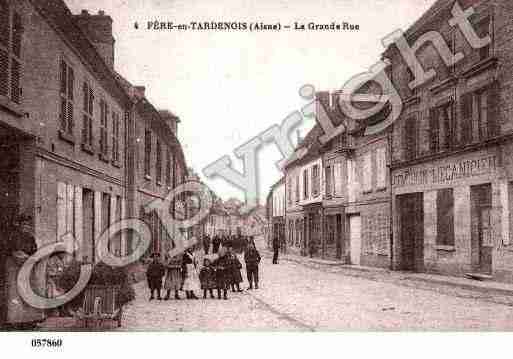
point(451, 160)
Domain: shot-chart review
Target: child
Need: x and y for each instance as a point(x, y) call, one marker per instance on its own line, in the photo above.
point(235, 267)
point(154, 276)
point(207, 278)
point(191, 282)
point(252, 259)
point(222, 267)
point(173, 279)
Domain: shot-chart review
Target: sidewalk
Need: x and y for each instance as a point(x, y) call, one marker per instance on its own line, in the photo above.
point(381, 274)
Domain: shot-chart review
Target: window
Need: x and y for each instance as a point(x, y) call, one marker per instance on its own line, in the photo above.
point(483, 30)
point(11, 30)
point(67, 80)
point(440, 128)
point(158, 165)
point(315, 181)
point(147, 152)
point(466, 104)
point(87, 115)
point(381, 164)
point(305, 184)
point(104, 115)
point(410, 138)
point(297, 189)
point(168, 168)
point(328, 181)
point(367, 172)
point(445, 217)
point(289, 191)
point(115, 137)
point(486, 121)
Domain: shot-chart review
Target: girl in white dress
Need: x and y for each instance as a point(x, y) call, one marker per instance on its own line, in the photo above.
point(191, 282)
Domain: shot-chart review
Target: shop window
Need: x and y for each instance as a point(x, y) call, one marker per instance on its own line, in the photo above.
point(445, 217)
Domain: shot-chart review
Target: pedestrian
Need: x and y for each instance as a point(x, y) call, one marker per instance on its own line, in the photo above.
point(215, 244)
point(252, 259)
point(222, 267)
point(207, 278)
point(154, 275)
point(276, 249)
point(191, 282)
point(206, 244)
point(173, 280)
point(235, 267)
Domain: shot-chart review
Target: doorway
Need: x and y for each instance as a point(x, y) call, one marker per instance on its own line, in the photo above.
point(482, 240)
point(355, 239)
point(411, 221)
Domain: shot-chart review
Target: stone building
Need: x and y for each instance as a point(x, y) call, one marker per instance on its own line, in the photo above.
point(451, 161)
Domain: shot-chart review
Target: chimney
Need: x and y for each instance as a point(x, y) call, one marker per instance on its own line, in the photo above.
point(171, 120)
point(98, 28)
point(140, 91)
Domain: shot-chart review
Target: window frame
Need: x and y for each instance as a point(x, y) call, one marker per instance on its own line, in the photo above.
point(11, 49)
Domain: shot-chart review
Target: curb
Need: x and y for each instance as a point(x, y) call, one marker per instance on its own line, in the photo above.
point(407, 276)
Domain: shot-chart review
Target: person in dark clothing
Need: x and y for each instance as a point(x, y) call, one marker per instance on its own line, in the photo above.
point(276, 249)
point(216, 243)
point(235, 267)
point(206, 243)
point(222, 266)
point(252, 259)
point(154, 276)
point(207, 278)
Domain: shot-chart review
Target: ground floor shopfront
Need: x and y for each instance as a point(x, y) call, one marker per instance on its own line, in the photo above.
point(453, 215)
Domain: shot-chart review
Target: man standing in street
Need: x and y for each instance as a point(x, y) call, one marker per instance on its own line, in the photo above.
point(276, 249)
point(206, 244)
point(215, 244)
point(252, 259)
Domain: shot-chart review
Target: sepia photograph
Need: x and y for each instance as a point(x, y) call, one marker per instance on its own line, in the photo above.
point(255, 166)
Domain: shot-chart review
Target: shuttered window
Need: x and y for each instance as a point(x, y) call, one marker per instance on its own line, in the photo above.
point(11, 31)
point(115, 136)
point(168, 167)
point(147, 152)
point(381, 168)
point(104, 115)
point(367, 172)
point(466, 118)
point(328, 182)
point(87, 114)
point(410, 138)
point(158, 164)
point(67, 80)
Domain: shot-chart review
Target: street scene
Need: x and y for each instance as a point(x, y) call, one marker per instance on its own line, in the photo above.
point(288, 170)
point(298, 297)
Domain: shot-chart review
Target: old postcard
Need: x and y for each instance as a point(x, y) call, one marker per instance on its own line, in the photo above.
point(255, 166)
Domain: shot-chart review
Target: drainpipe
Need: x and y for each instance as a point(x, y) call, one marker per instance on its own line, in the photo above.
point(391, 220)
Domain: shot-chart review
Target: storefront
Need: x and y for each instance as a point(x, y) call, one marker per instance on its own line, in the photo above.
point(452, 215)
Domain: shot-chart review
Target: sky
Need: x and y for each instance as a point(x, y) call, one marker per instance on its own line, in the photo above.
point(228, 87)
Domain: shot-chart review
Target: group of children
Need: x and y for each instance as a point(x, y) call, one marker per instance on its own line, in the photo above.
point(221, 273)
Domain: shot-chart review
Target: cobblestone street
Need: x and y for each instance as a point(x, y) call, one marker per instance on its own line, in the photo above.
point(305, 298)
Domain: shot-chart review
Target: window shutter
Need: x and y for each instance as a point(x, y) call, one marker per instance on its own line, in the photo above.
point(494, 104)
point(64, 77)
point(16, 34)
point(4, 73)
point(466, 118)
point(434, 129)
point(367, 172)
point(5, 24)
point(61, 210)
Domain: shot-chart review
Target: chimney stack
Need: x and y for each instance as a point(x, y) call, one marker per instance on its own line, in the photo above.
point(171, 120)
point(98, 28)
point(140, 91)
